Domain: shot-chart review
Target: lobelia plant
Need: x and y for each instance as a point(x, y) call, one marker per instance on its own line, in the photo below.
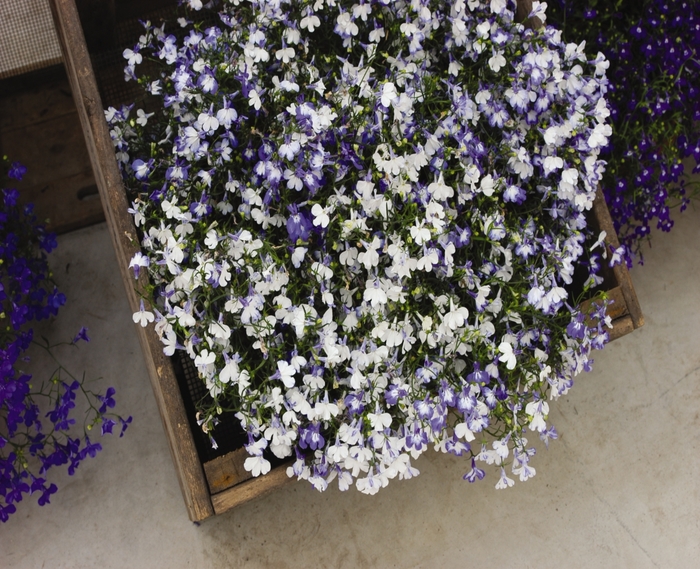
point(654, 99)
point(359, 219)
point(29, 443)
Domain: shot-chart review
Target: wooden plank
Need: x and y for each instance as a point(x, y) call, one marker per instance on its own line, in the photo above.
point(622, 275)
point(66, 204)
point(57, 144)
point(522, 11)
point(124, 238)
point(226, 471)
point(618, 308)
point(621, 327)
point(47, 98)
point(251, 489)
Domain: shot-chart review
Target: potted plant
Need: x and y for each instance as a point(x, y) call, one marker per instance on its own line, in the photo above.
point(359, 221)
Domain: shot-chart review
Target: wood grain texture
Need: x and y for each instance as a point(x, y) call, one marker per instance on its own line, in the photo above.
point(124, 238)
point(522, 11)
point(226, 471)
point(621, 327)
point(620, 271)
point(66, 204)
point(251, 489)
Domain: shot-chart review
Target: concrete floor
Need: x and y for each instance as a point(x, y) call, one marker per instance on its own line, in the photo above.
point(621, 488)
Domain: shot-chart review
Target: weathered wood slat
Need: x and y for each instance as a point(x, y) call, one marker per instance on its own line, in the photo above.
point(226, 471)
point(250, 489)
point(124, 238)
point(66, 204)
point(621, 327)
point(620, 271)
point(618, 309)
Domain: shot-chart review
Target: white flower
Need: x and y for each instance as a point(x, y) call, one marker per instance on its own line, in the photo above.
point(427, 261)
point(504, 481)
point(205, 358)
point(552, 163)
point(487, 185)
point(483, 29)
point(257, 465)
point(538, 411)
point(132, 57)
point(599, 136)
point(324, 410)
point(498, 6)
point(254, 100)
point(439, 190)
point(370, 257)
point(212, 239)
point(379, 421)
point(142, 117)
point(137, 261)
point(507, 356)
point(600, 242)
point(463, 432)
point(170, 343)
point(298, 256)
point(310, 22)
point(419, 232)
point(389, 94)
point(230, 372)
point(286, 373)
point(208, 123)
point(497, 61)
point(320, 214)
point(286, 54)
point(143, 317)
point(456, 317)
point(374, 294)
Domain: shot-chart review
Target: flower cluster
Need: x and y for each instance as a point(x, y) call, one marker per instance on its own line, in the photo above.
point(360, 220)
point(29, 445)
point(654, 98)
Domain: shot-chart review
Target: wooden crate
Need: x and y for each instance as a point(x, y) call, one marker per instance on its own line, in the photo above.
point(214, 486)
point(625, 312)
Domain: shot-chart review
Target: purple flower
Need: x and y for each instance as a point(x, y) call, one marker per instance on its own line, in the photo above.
point(424, 408)
point(353, 403)
point(16, 171)
point(479, 376)
point(124, 423)
point(141, 169)
point(577, 327)
point(514, 194)
point(474, 474)
point(311, 437)
point(46, 493)
point(178, 172)
point(298, 225)
point(107, 400)
point(107, 426)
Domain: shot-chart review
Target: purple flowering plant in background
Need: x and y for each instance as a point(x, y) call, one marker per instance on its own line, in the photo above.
point(37, 416)
point(652, 47)
point(361, 221)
